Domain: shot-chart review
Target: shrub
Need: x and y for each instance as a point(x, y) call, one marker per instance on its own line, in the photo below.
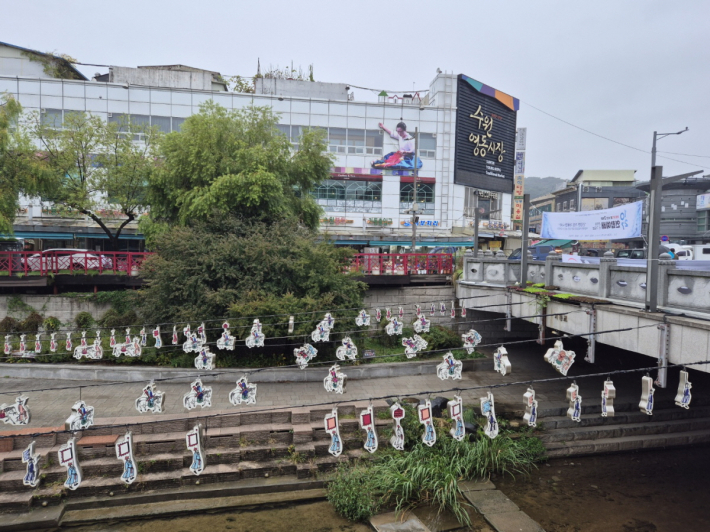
point(31, 323)
point(84, 320)
point(8, 325)
point(112, 319)
point(353, 494)
point(51, 324)
point(442, 338)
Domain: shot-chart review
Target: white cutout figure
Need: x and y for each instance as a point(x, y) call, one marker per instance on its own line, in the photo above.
point(124, 453)
point(112, 339)
point(488, 409)
point(560, 359)
point(23, 346)
point(470, 340)
point(205, 359)
point(290, 324)
point(453, 311)
point(151, 400)
point(682, 398)
point(245, 392)
point(131, 348)
point(363, 318)
point(421, 324)
point(82, 416)
point(463, 311)
point(8, 346)
point(442, 308)
point(647, 392)
point(144, 337)
point(201, 333)
point(574, 412)
point(16, 413)
point(414, 345)
point(530, 415)
point(193, 439)
point(397, 439)
point(31, 458)
point(198, 395)
point(450, 368)
point(304, 355)
point(335, 381)
point(186, 331)
point(69, 459)
point(432, 310)
point(157, 338)
point(418, 312)
point(458, 432)
point(500, 361)
point(94, 352)
point(175, 340)
point(53, 342)
point(388, 314)
point(67, 344)
point(401, 313)
point(425, 418)
point(348, 349)
point(608, 396)
point(394, 327)
point(226, 341)
point(332, 428)
point(38, 343)
point(378, 315)
point(193, 344)
point(255, 338)
point(367, 423)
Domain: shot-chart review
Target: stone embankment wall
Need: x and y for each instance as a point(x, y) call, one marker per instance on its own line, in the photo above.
point(409, 296)
point(63, 308)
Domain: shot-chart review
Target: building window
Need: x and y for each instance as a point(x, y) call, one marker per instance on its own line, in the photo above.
point(427, 145)
point(161, 122)
point(337, 138)
point(285, 130)
point(564, 206)
point(703, 220)
point(349, 196)
point(355, 141)
point(52, 118)
point(571, 205)
point(373, 142)
point(425, 197)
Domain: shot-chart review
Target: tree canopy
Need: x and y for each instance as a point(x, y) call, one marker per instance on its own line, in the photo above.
point(237, 162)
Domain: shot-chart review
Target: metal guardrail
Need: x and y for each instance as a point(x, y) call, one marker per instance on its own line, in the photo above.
point(72, 262)
point(403, 263)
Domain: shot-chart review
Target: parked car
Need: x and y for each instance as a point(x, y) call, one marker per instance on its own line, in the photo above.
point(538, 252)
point(630, 254)
point(67, 259)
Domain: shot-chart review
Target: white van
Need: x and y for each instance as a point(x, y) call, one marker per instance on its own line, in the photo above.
point(681, 252)
point(701, 251)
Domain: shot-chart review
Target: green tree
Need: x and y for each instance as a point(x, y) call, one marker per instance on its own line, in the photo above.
point(237, 162)
point(18, 173)
point(96, 167)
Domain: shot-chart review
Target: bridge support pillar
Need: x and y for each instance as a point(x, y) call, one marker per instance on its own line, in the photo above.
point(508, 312)
point(591, 339)
point(663, 351)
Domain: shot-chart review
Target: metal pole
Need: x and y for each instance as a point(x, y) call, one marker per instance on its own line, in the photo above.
point(524, 243)
point(654, 236)
point(475, 226)
point(653, 150)
point(416, 184)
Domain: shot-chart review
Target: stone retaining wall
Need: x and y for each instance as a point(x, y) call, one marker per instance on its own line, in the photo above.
point(61, 307)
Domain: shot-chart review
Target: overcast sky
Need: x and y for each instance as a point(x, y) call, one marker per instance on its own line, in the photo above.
point(621, 69)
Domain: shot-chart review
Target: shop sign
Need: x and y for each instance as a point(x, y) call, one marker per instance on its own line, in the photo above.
point(334, 220)
point(379, 221)
point(517, 209)
point(421, 223)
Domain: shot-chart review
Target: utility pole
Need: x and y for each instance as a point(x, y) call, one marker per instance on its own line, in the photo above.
point(524, 243)
point(475, 226)
point(416, 185)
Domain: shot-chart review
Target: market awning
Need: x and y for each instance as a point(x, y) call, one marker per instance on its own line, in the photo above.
point(122, 236)
point(350, 242)
point(43, 234)
point(421, 244)
point(554, 243)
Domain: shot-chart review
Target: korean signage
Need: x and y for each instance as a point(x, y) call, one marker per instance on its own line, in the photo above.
point(608, 224)
point(521, 139)
point(335, 220)
point(485, 136)
point(421, 223)
point(702, 203)
point(381, 222)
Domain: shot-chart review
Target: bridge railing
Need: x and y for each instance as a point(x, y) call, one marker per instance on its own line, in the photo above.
point(72, 262)
point(403, 263)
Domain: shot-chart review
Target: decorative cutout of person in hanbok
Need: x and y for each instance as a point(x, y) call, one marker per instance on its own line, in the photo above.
point(16, 413)
point(193, 439)
point(403, 158)
point(683, 396)
point(30, 458)
point(367, 423)
point(397, 439)
point(425, 418)
point(196, 460)
point(331, 427)
point(450, 368)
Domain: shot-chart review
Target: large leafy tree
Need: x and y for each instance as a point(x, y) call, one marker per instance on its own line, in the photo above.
point(96, 167)
point(237, 162)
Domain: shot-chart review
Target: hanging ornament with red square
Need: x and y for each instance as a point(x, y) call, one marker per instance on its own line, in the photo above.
point(332, 428)
point(397, 439)
point(458, 432)
point(124, 453)
point(38, 343)
point(426, 419)
point(418, 311)
point(53, 342)
point(453, 311)
point(367, 423)
point(157, 338)
point(193, 439)
point(175, 340)
point(401, 313)
point(7, 349)
point(378, 315)
point(69, 459)
point(67, 344)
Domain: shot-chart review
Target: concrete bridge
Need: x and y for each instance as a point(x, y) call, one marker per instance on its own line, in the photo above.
point(604, 296)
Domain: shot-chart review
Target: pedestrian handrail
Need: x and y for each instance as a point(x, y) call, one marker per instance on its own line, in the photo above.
point(71, 262)
point(403, 263)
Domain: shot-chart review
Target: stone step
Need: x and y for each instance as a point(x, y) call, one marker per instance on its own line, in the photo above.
point(635, 416)
point(591, 406)
point(627, 443)
point(622, 430)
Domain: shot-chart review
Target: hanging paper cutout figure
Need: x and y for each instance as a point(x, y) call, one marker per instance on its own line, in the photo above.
point(418, 312)
point(331, 427)
point(245, 392)
point(463, 311)
point(367, 423)
point(394, 327)
point(205, 359)
point(682, 398)
point(69, 459)
point(198, 395)
point(421, 324)
point(450, 368)
point(348, 349)
point(488, 409)
point(226, 341)
point(442, 308)
point(647, 391)
point(201, 333)
point(397, 439)
point(560, 359)
point(255, 338)
point(186, 331)
point(193, 439)
point(193, 344)
point(335, 381)
point(304, 355)
point(8, 346)
point(23, 345)
point(94, 352)
point(401, 313)
point(378, 315)
point(432, 310)
point(425, 418)
point(150, 400)
point(157, 338)
point(363, 318)
point(574, 412)
point(124, 452)
point(470, 340)
point(30, 458)
point(144, 337)
point(130, 348)
point(530, 415)
point(456, 414)
point(608, 396)
point(453, 310)
point(67, 344)
point(38, 343)
point(16, 413)
point(82, 416)
point(128, 336)
point(53, 342)
point(388, 314)
point(414, 345)
point(175, 339)
point(500, 361)
point(290, 324)
point(112, 339)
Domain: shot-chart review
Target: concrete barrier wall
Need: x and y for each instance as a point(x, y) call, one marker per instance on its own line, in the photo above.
point(61, 307)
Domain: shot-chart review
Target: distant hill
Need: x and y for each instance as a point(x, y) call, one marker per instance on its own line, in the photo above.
point(539, 186)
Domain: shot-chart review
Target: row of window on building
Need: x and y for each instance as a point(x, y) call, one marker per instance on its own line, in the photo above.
point(366, 196)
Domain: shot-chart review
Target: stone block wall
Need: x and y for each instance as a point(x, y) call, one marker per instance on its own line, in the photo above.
point(61, 307)
point(409, 296)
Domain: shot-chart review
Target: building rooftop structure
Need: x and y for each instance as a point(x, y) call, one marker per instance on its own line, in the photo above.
point(25, 62)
